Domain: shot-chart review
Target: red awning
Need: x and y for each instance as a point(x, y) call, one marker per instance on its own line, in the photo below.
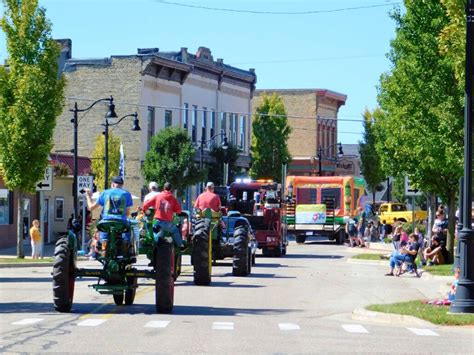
point(83, 163)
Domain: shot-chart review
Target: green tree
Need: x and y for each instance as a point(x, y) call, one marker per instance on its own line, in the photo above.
point(370, 161)
point(270, 132)
point(171, 158)
point(98, 162)
point(31, 96)
point(216, 168)
point(420, 131)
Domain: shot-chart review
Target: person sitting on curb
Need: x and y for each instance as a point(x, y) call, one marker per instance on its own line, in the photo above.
point(407, 253)
point(351, 230)
point(436, 253)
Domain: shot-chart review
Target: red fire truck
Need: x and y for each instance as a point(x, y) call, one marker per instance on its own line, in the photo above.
point(260, 202)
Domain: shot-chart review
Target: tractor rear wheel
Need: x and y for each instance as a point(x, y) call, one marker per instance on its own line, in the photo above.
point(130, 293)
point(240, 264)
point(202, 253)
point(63, 276)
point(164, 283)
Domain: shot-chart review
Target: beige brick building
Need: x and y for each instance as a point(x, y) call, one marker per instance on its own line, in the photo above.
point(191, 91)
point(312, 115)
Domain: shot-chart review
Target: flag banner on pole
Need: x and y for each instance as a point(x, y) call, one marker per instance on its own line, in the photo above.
point(122, 163)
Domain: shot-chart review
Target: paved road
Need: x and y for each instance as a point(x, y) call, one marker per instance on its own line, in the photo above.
point(301, 303)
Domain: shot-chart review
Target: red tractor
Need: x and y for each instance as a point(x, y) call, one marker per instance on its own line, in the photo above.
point(260, 202)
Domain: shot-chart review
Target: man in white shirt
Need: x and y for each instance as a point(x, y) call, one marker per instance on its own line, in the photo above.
point(153, 187)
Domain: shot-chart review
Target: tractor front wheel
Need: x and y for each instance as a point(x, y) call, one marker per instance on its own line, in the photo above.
point(63, 276)
point(118, 299)
point(164, 283)
point(130, 293)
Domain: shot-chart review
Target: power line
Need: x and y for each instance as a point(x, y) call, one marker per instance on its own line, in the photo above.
point(255, 12)
point(309, 59)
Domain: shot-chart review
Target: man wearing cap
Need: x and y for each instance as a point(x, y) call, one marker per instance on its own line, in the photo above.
point(153, 187)
point(208, 199)
point(116, 203)
point(165, 205)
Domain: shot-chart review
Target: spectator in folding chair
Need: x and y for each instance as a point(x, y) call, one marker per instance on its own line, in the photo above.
point(407, 255)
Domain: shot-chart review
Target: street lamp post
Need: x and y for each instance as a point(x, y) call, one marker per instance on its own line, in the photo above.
point(135, 127)
point(464, 299)
point(202, 142)
point(75, 122)
point(340, 153)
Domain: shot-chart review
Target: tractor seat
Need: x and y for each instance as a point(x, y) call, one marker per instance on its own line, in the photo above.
point(113, 225)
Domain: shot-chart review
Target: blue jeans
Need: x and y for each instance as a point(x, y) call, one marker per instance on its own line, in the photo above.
point(170, 228)
point(105, 236)
point(398, 259)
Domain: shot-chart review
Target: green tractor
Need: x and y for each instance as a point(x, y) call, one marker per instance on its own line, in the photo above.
point(215, 238)
point(118, 276)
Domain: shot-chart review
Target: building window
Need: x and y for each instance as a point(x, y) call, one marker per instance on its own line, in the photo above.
point(223, 121)
point(213, 124)
point(231, 127)
point(193, 124)
point(150, 125)
point(168, 118)
point(234, 129)
point(4, 207)
point(204, 124)
point(185, 116)
point(59, 208)
point(242, 133)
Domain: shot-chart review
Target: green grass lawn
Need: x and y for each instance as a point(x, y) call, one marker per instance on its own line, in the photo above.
point(440, 270)
point(18, 260)
point(431, 313)
point(368, 256)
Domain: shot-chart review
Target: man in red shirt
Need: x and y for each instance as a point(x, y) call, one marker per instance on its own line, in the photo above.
point(208, 199)
point(165, 205)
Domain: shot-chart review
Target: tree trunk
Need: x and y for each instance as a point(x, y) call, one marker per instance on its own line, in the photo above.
point(20, 252)
point(431, 215)
point(451, 222)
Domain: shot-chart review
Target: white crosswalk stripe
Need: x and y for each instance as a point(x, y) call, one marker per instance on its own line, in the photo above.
point(223, 326)
point(157, 324)
point(91, 322)
point(27, 321)
point(288, 326)
point(354, 328)
point(423, 332)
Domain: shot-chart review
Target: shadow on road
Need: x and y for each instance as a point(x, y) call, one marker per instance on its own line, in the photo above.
point(222, 311)
point(46, 309)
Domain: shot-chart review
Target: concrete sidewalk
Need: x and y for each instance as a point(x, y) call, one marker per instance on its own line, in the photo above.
point(48, 251)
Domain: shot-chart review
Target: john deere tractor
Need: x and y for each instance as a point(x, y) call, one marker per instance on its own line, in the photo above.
point(215, 238)
point(117, 276)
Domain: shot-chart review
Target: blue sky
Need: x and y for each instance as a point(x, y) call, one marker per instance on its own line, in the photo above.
point(341, 50)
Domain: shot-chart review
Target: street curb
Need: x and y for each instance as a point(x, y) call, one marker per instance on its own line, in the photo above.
point(365, 261)
point(389, 318)
point(22, 265)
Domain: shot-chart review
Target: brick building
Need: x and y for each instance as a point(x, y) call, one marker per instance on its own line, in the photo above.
point(191, 91)
point(312, 114)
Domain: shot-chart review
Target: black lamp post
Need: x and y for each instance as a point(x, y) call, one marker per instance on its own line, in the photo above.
point(135, 127)
point(74, 120)
point(464, 301)
point(340, 153)
point(224, 145)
